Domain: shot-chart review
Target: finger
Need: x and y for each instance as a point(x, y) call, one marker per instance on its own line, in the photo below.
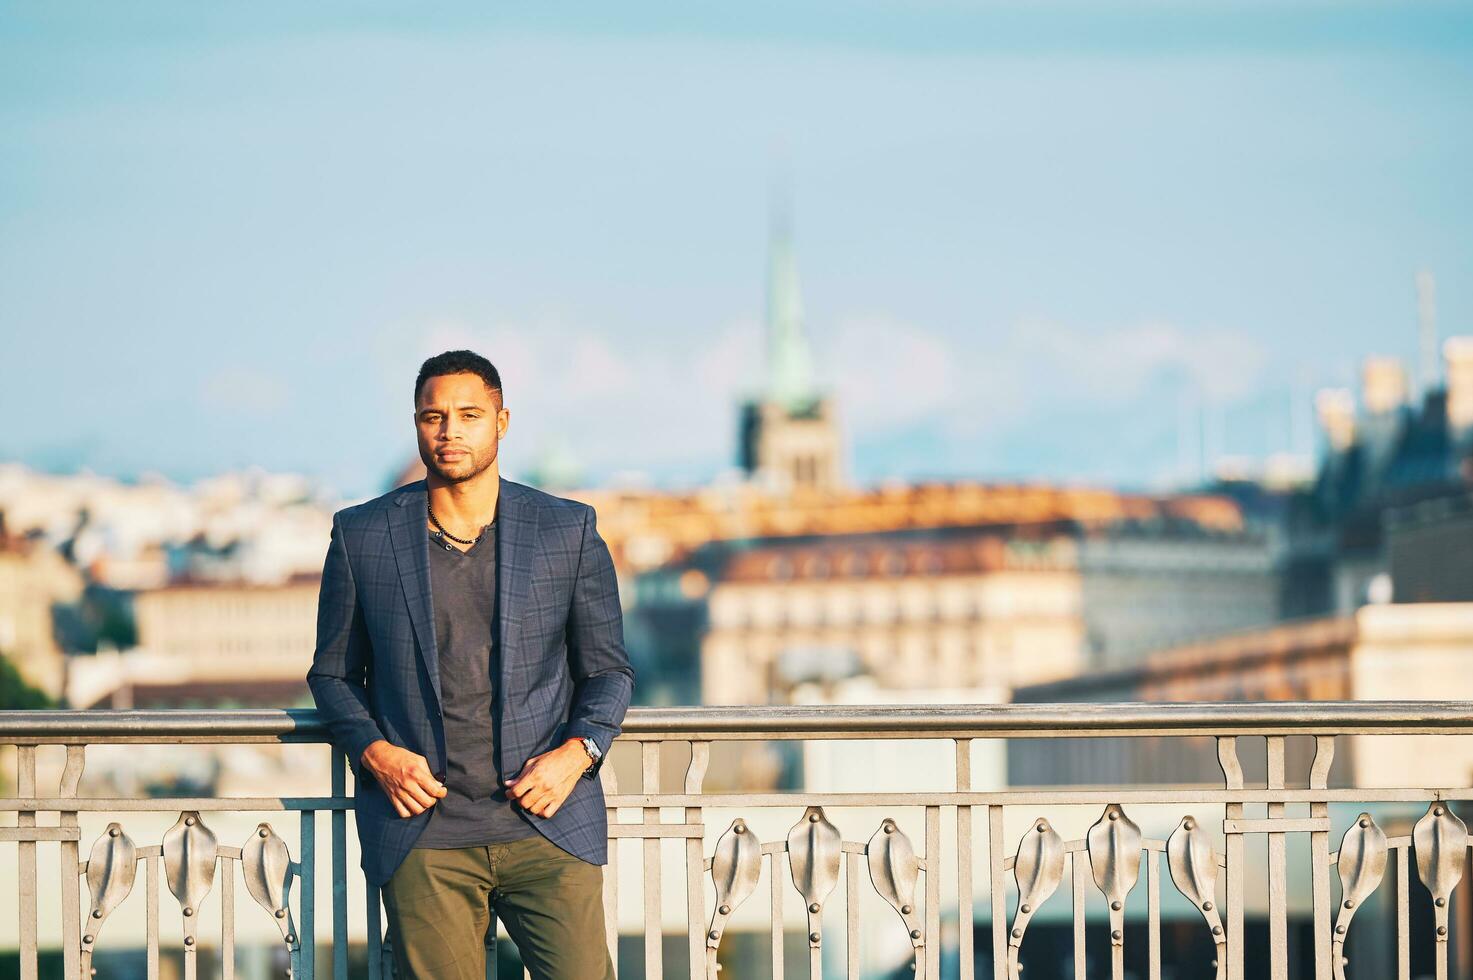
point(531, 793)
point(403, 813)
point(419, 795)
point(434, 787)
point(414, 808)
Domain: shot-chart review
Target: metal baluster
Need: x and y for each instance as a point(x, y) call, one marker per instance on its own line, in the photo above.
point(933, 893)
point(26, 857)
point(227, 918)
point(152, 890)
point(1153, 912)
point(695, 895)
point(1278, 910)
point(71, 868)
point(851, 915)
point(776, 881)
point(997, 892)
point(339, 869)
point(307, 929)
point(1079, 888)
point(1319, 849)
point(1232, 771)
point(964, 831)
point(1403, 916)
point(653, 924)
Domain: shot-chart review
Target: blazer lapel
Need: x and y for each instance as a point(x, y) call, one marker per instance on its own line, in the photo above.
point(412, 553)
point(516, 522)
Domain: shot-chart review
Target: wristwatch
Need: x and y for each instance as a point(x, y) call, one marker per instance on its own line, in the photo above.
point(591, 747)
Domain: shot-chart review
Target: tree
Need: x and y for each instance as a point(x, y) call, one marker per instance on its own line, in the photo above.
point(15, 693)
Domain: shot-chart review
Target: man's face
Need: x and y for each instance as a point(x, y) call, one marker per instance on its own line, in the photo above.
point(460, 423)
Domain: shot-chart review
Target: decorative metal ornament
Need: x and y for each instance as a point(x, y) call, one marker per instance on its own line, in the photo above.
point(1115, 858)
point(814, 850)
point(189, 867)
point(1441, 843)
point(267, 865)
point(735, 868)
point(1362, 864)
point(1193, 865)
point(893, 868)
point(111, 868)
point(1038, 869)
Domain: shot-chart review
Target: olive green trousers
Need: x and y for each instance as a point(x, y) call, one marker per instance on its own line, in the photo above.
point(439, 904)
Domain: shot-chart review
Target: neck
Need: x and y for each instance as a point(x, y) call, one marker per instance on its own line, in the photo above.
point(468, 505)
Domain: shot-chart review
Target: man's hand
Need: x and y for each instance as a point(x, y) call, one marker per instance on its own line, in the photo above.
point(546, 780)
point(405, 777)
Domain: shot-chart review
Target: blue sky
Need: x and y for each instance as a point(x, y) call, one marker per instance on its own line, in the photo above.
point(1033, 239)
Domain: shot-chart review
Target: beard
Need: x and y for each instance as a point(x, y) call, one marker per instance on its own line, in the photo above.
point(467, 467)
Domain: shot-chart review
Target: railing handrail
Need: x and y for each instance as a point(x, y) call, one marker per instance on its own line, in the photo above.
point(808, 721)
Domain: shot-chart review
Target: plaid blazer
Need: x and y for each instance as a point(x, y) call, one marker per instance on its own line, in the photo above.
point(564, 669)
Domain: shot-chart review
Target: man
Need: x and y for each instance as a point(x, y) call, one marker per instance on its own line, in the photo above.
point(470, 661)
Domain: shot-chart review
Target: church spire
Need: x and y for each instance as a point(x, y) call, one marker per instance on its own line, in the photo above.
point(789, 380)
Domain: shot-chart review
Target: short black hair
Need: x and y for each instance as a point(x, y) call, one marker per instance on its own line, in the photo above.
point(458, 362)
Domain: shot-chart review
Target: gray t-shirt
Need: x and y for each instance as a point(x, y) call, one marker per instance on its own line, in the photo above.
point(475, 810)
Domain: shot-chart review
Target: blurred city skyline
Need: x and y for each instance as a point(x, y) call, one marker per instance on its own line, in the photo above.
point(1033, 242)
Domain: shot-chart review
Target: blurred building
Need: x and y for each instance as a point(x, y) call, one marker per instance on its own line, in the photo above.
point(998, 606)
point(34, 581)
point(208, 643)
point(1415, 652)
point(1378, 467)
point(1429, 549)
point(789, 436)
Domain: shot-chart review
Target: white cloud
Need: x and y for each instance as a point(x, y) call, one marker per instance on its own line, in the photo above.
point(634, 404)
point(1117, 364)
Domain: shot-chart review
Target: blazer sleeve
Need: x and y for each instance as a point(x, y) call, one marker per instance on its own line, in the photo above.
point(342, 659)
point(603, 678)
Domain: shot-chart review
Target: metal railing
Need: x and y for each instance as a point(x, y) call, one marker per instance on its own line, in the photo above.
point(1103, 866)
